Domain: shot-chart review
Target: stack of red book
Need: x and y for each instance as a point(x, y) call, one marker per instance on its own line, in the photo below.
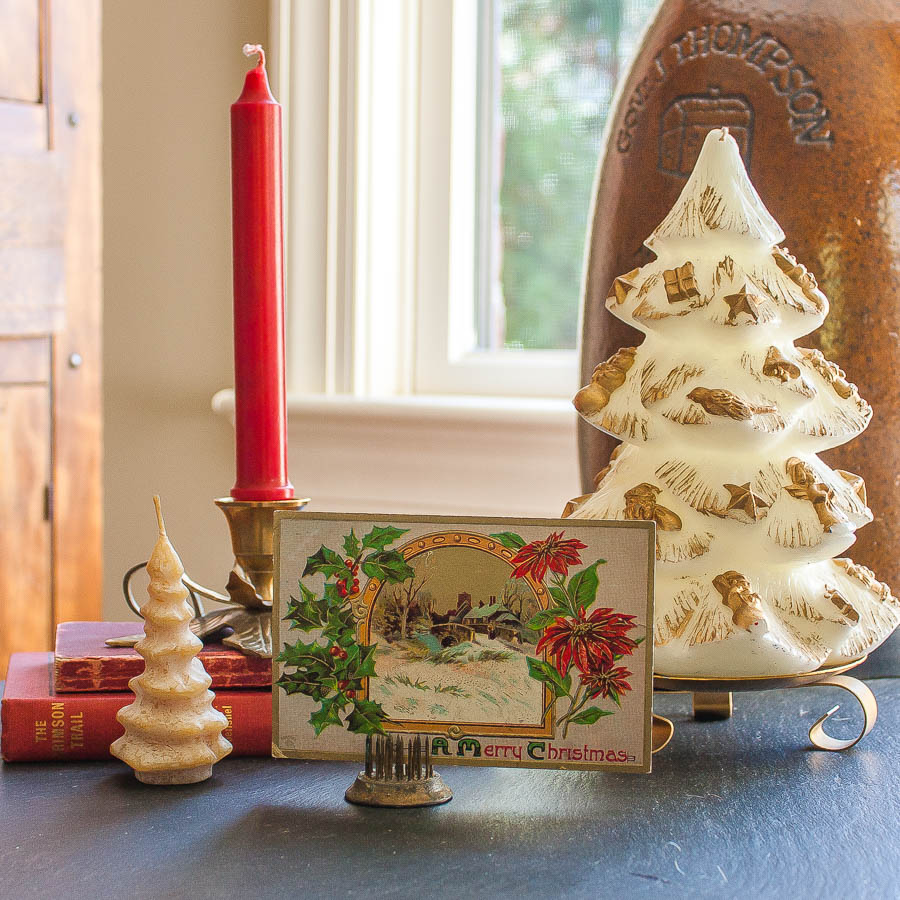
point(63, 705)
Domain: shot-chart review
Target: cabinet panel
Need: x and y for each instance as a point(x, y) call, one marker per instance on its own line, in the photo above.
point(26, 613)
point(20, 63)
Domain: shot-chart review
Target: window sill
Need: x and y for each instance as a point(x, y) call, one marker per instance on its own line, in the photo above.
point(435, 454)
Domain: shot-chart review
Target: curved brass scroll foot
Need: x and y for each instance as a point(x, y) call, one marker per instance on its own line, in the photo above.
point(866, 699)
point(661, 733)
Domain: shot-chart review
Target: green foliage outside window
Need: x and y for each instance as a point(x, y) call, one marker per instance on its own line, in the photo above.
point(559, 61)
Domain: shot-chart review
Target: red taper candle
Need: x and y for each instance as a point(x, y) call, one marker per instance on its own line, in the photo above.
point(257, 223)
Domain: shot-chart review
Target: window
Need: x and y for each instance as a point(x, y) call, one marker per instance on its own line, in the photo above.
point(453, 161)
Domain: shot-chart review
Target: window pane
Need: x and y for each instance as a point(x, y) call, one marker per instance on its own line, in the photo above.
point(548, 72)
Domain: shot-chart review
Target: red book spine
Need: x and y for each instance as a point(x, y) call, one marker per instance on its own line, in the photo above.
point(40, 725)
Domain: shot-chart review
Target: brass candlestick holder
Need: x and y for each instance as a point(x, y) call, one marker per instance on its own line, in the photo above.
point(712, 697)
point(248, 600)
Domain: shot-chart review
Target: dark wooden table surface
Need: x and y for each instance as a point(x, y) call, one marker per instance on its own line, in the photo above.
point(741, 808)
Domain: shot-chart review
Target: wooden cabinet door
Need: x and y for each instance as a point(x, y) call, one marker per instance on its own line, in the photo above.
point(50, 496)
point(26, 614)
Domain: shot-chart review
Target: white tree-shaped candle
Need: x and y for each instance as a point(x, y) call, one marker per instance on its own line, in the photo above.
point(173, 734)
point(722, 418)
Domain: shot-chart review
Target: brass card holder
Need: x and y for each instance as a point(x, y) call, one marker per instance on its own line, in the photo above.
point(248, 600)
point(712, 697)
point(398, 776)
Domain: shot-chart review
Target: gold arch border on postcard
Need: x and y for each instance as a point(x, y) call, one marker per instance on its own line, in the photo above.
point(364, 607)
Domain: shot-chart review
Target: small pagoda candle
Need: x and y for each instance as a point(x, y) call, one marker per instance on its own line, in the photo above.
point(259, 371)
point(173, 734)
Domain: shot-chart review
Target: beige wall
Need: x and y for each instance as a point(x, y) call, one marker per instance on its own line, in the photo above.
point(170, 71)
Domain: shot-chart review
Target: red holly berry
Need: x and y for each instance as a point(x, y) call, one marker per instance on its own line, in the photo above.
point(335, 650)
point(342, 684)
point(351, 694)
point(342, 589)
point(348, 563)
point(342, 654)
point(355, 584)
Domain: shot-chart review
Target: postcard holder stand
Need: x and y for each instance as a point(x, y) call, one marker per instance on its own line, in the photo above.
point(398, 775)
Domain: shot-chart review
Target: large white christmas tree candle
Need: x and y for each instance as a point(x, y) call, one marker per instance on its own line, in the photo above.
point(722, 418)
point(173, 734)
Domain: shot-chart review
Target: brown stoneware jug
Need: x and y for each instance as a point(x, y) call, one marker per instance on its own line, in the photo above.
point(809, 89)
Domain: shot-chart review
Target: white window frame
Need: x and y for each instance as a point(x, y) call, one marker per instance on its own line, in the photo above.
point(379, 138)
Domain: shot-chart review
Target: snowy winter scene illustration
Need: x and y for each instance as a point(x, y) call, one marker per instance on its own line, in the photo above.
point(453, 643)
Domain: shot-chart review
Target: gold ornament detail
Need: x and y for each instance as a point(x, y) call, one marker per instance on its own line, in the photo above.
point(606, 469)
point(680, 283)
point(831, 372)
point(621, 287)
point(719, 402)
point(866, 577)
point(856, 482)
point(640, 504)
point(842, 605)
point(799, 274)
point(653, 392)
point(724, 267)
point(746, 607)
point(776, 366)
point(574, 504)
point(742, 302)
point(607, 377)
point(804, 486)
point(744, 505)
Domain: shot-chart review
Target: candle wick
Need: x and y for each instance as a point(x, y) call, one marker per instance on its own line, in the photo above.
point(250, 49)
point(724, 133)
point(159, 516)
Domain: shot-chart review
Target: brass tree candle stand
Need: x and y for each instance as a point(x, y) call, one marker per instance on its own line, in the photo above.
point(712, 697)
point(248, 601)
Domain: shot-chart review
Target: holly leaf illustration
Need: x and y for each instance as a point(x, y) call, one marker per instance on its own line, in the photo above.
point(325, 561)
point(543, 671)
point(310, 682)
point(380, 536)
point(545, 617)
point(589, 716)
point(351, 545)
point(303, 655)
point(332, 594)
point(327, 714)
point(583, 586)
point(510, 540)
point(366, 665)
point(304, 613)
point(388, 566)
point(340, 627)
point(366, 718)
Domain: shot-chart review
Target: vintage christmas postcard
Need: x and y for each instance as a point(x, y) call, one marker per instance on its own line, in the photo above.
point(505, 642)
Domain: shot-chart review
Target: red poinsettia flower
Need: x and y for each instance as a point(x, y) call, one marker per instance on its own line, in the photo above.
point(591, 641)
point(553, 553)
point(607, 681)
